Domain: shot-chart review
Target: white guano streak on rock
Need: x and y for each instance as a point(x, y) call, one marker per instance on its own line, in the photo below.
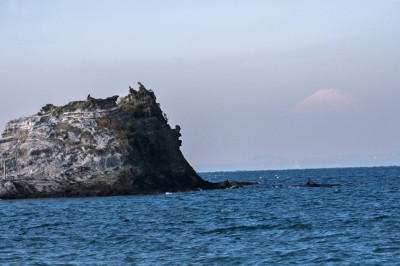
point(39, 146)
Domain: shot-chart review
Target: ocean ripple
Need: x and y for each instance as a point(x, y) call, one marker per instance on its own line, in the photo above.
point(274, 222)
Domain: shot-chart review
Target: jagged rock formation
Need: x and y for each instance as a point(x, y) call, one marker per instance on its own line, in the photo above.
point(96, 147)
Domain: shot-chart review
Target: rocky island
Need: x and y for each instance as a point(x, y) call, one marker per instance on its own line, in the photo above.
point(96, 147)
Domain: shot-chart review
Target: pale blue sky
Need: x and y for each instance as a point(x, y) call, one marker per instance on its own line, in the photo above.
point(226, 71)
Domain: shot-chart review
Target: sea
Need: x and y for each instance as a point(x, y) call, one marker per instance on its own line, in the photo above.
point(275, 222)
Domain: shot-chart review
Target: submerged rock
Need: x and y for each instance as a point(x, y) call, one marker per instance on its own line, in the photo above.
point(312, 184)
point(97, 147)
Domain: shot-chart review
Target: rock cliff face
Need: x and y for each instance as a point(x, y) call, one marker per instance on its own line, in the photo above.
point(97, 147)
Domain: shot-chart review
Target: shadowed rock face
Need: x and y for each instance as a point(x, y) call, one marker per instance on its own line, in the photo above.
point(96, 147)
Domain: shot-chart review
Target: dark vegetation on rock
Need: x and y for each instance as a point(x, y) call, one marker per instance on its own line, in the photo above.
point(97, 147)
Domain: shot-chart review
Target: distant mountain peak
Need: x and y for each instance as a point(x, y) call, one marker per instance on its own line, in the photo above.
point(327, 101)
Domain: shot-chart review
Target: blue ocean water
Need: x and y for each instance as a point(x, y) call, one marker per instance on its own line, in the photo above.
point(275, 222)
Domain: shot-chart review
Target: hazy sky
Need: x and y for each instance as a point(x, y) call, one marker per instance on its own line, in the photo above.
point(253, 84)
